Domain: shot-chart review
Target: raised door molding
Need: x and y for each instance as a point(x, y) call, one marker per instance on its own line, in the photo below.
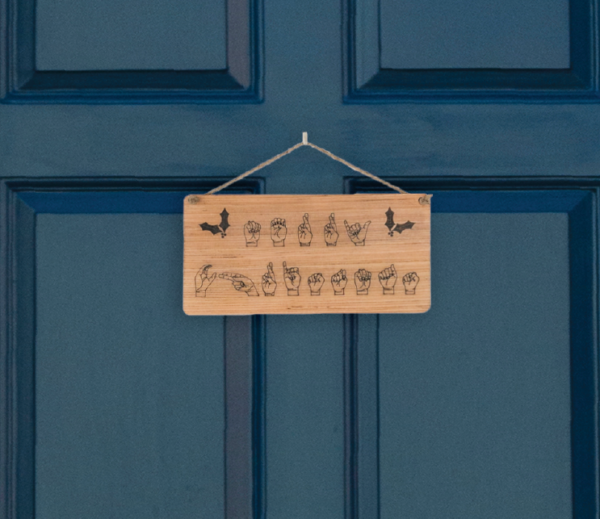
point(451, 195)
point(239, 82)
point(366, 80)
point(21, 200)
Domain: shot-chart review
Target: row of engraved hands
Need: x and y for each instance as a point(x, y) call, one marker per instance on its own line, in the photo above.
point(292, 279)
point(356, 232)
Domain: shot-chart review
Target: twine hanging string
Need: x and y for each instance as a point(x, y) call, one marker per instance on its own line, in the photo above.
point(294, 148)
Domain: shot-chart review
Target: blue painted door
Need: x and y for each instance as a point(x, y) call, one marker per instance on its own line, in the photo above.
point(115, 405)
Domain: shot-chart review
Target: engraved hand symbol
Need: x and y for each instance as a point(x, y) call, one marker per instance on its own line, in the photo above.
point(203, 280)
point(240, 283)
point(315, 282)
point(339, 280)
point(269, 285)
point(278, 232)
point(357, 233)
point(410, 280)
point(292, 279)
point(252, 233)
point(304, 232)
point(331, 234)
point(388, 278)
point(362, 280)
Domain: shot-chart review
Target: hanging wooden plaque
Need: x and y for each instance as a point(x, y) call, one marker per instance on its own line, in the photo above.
point(308, 254)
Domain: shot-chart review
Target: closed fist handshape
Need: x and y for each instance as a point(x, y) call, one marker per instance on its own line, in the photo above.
point(278, 232)
point(331, 234)
point(357, 232)
point(362, 280)
point(252, 233)
point(410, 281)
point(304, 232)
point(292, 279)
point(339, 281)
point(203, 280)
point(315, 282)
point(269, 285)
point(240, 283)
point(388, 278)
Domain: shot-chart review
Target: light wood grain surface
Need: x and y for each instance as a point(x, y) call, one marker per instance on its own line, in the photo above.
point(306, 254)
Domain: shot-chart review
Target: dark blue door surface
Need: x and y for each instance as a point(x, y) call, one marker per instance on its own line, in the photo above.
point(116, 405)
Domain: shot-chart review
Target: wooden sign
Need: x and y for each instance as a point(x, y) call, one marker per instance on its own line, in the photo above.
point(309, 254)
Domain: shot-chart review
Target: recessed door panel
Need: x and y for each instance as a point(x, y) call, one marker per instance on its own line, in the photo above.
point(475, 398)
point(131, 35)
point(466, 34)
point(129, 392)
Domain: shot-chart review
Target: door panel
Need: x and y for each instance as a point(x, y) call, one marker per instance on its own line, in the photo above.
point(91, 36)
point(129, 392)
point(464, 35)
point(475, 400)
point(488, 409)
point(161, 418)
point(135, 52)
point(436, 51)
